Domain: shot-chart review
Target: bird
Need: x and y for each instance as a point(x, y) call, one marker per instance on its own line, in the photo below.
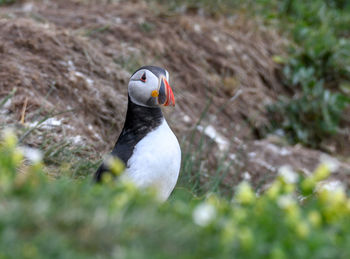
point(147, 146)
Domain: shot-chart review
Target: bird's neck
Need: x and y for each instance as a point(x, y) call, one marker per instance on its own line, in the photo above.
point(141, 118)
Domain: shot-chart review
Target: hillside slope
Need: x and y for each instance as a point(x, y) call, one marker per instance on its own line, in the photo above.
point(76, 56)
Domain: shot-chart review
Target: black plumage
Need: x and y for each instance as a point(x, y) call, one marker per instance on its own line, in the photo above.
point(140, 120)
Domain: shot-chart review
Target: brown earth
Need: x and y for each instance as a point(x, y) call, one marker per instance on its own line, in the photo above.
point(75, 57)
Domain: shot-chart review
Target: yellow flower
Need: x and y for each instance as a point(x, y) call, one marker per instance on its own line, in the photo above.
point(279, 59)
point(308, 185)
point(322, 172)
point(129, 186)
point(17, 156)
point(274, 190)
point(335, 201)
point(115, 164)
point(314, 218)
point(339, 196)
point(107, 178)
point(323, 195)
point(332, 193)
point(290, 206)
point(214, 200)
point(9, 137)
point(289, 188)
point(245, 193)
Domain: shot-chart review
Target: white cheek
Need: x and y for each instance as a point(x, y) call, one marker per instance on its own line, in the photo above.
point(152, 83)
point(140, 92)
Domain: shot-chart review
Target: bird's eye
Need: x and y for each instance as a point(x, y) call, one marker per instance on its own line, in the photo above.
point(143, 77)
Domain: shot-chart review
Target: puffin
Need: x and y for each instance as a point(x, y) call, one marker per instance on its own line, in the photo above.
point(147, 146)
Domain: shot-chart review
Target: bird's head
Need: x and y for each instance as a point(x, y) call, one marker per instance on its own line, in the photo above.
point(149, 87)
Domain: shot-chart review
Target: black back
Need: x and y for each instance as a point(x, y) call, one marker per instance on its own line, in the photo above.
point(139, 122)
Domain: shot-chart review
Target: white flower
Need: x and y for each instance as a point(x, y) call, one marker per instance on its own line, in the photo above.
point(197, 28)
point(32, 154)
point(331, 163)
point(288, 175)
point(247, 176)
point(285, 201)
point(203, 214)
point(332, 186)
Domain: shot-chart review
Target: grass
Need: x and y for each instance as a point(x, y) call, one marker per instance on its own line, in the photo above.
point(60, 157)
point(129, 62)
point(93, 31)
point(67, 159)
point(196, 174)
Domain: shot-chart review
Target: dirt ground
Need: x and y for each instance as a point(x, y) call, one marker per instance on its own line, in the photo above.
point(75, 58)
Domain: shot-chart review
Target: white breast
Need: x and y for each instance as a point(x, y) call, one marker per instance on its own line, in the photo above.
point(156, 161)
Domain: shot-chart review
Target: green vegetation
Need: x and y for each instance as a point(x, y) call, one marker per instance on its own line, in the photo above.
point(65, 218)
point(318, 65)
point(311, 117)
point(3, 2)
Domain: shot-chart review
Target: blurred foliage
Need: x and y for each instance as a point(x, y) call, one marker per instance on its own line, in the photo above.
point(318, 64)
point(65, 218)
point(311, 117)
point(3, 2)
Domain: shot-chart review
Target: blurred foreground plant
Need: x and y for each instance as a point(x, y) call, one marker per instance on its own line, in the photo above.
point(65, 218)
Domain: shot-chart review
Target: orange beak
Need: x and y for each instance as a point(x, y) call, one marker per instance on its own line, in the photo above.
point(166, 95)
